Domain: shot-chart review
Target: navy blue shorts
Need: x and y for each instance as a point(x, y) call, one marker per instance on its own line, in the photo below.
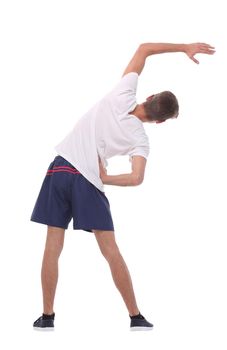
point(66, 194)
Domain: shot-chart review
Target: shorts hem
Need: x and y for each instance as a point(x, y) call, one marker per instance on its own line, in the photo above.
point(90, 229)
point(40, 221)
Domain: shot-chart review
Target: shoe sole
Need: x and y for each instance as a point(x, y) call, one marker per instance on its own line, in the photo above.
point(132, 329)
point(44, 329)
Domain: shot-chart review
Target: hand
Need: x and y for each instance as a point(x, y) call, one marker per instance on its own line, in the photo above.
point(102, 171)
point(192, 49)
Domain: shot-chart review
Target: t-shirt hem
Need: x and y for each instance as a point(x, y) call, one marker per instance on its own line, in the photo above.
point(66, 157)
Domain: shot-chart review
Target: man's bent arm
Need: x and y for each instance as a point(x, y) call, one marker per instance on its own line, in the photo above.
point(121, 180)
point(134, 178)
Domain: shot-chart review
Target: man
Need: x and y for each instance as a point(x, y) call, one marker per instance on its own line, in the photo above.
point(74, 183)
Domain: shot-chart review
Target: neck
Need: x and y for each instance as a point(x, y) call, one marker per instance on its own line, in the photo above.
point(139, 113)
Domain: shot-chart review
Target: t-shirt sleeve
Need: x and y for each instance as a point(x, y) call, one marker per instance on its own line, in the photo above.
point(141, 147)
point(123, 96)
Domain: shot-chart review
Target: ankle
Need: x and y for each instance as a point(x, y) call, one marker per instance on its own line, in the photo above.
point(135, 313)
point(138, 316)
point(48, 313)
point(49, 316)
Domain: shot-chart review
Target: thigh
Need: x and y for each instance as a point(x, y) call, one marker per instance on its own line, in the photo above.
point(55, 238)
point(106, 241)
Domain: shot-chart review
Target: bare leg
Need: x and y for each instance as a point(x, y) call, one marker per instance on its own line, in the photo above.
point(118, 267)
point(49, 272)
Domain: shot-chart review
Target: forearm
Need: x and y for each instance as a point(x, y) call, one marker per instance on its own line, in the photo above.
point(119, 180)
point(157, 48)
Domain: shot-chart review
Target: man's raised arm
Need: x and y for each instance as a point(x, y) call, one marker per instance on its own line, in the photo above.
point(147, 49)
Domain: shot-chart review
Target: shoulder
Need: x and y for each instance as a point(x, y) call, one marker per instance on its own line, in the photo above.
point(130, 79)
point(133, 124)
point(122, 98)
point(139, 132)
point(127, 83)
point(130, 75)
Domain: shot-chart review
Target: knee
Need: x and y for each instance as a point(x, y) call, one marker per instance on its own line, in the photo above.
point(110, 253)
point(53, 250)
point(107, 244)
point(54, 242)
point(55, 247)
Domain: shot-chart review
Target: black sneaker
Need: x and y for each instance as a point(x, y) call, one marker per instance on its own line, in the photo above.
point(139, 323)
point(44, 323)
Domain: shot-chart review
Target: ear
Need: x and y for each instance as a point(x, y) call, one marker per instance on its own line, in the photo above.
point(149, 98)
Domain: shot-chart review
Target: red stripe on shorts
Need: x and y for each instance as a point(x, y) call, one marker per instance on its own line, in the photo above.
point(67, 169)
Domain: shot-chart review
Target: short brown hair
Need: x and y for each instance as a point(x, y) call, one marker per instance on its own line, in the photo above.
point(161, 106)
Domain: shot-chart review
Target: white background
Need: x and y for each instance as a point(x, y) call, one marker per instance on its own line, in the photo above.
point(57, 59)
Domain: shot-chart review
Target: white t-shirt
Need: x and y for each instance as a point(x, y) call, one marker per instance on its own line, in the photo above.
point(106, 130)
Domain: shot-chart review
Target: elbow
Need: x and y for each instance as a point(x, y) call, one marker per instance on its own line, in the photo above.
point(143, 49)
point(141, 46)
point(137, 180)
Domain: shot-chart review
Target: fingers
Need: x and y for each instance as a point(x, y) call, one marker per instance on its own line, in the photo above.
point(207, 45)
point(207, 51)
point(194, 59)
point(197, 48)
point(205, 48)
point(193, 49)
